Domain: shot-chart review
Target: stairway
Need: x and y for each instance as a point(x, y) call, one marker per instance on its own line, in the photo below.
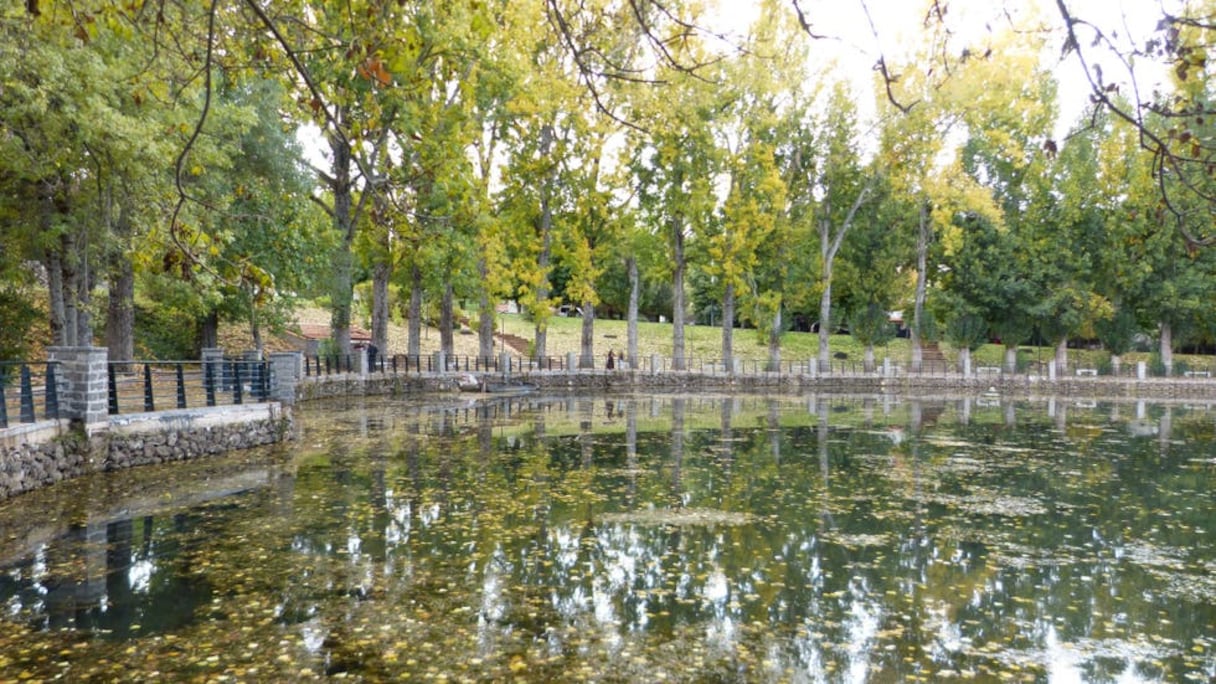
point(931, 357)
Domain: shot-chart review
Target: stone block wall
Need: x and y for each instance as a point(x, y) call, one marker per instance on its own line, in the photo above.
point(68, 453)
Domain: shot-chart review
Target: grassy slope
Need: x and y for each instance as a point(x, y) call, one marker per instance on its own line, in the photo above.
point(702, 343)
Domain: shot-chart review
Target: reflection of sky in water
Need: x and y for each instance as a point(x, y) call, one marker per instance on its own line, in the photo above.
point(938, 552)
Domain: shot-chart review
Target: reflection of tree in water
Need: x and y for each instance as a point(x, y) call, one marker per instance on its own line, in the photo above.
point(899, 546)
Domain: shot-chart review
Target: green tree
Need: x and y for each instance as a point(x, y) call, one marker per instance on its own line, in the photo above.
point(675, 166)
point(831, 177)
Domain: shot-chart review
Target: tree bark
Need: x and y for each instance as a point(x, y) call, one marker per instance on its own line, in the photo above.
point(825, 318)
point(120, 309)
point(774, 341)
point(1167, 347)
point(485, 316)
point(922, 277)
point(255, 330)
point(677, 296)
point(632, 324)
point(545, 227)
point(447, 321)
point(415, 322)
point(964, 359)
point(209, 330)
point(381, 273)
point(343, 263)
point(587, 338)
point(728, 327)
point(54, 277)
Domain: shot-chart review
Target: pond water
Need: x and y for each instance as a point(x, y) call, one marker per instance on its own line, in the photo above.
point(639, 539)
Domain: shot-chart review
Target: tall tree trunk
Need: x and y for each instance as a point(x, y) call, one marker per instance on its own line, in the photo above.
point(70, 277)
point(677, 296)
point(85, 279)
point(825, 319)
point(1062, 355)
point(545, 227)
point(922, 277)
point(343, 264)
point(382, 271)
point(447, 321)
point(774, 341)
point(1166, 347)
point(728, 328)
point(209, 330)
point(415, 322)
point(587, 338)
point(54, 277)
point(635, 287)
point(120, 314)
point(255, 330)
point(829, 247)
point(63, 330)
point(485, 315)
point(964, 359)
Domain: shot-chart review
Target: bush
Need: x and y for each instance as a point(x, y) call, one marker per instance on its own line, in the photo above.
point(163, 332)
point(1156, 366)
point(1105, 367)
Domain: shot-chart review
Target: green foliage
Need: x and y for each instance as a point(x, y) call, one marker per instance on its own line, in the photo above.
point(1118, 332)
point(165, 332)
point(870, 325)
point(19, 315)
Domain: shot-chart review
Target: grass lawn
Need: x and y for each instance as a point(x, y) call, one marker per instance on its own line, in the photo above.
point(704, 343)
point(700, 341)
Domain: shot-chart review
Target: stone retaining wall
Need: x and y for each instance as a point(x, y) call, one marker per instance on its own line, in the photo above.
point(60, 453)
point(1019, 386)
point(36, 456)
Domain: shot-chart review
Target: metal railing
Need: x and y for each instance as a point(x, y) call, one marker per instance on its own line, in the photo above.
point(337, 364)
point(316, 366)
point(23, 386)
point(147, 386)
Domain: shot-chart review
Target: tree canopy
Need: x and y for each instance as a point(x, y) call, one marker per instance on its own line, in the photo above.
point(627, 157)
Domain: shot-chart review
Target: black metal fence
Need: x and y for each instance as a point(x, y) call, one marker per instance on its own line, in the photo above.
point(25, 388)
point(160, 385)
point(321, 365)
point(336, 364)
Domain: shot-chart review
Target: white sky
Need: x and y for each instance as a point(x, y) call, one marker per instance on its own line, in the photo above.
point(854, 49)
point(899, 23)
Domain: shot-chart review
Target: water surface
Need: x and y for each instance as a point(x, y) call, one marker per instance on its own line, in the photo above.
point(639, 539)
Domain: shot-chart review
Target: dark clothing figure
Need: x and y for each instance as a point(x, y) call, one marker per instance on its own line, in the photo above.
point(371, 356)
point(611, 360)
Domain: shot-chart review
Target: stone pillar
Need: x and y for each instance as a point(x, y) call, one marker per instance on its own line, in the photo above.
point(967, 366)
point(571, 361)
point(286, 370)
point(362, 363)
point(654, 364)
point(1141, 370)
point(886, 367)
point(504, 362)
point(83, 384)
point(441, 361)
point(251, 376)
point(213, 368)
point(1051, 371)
